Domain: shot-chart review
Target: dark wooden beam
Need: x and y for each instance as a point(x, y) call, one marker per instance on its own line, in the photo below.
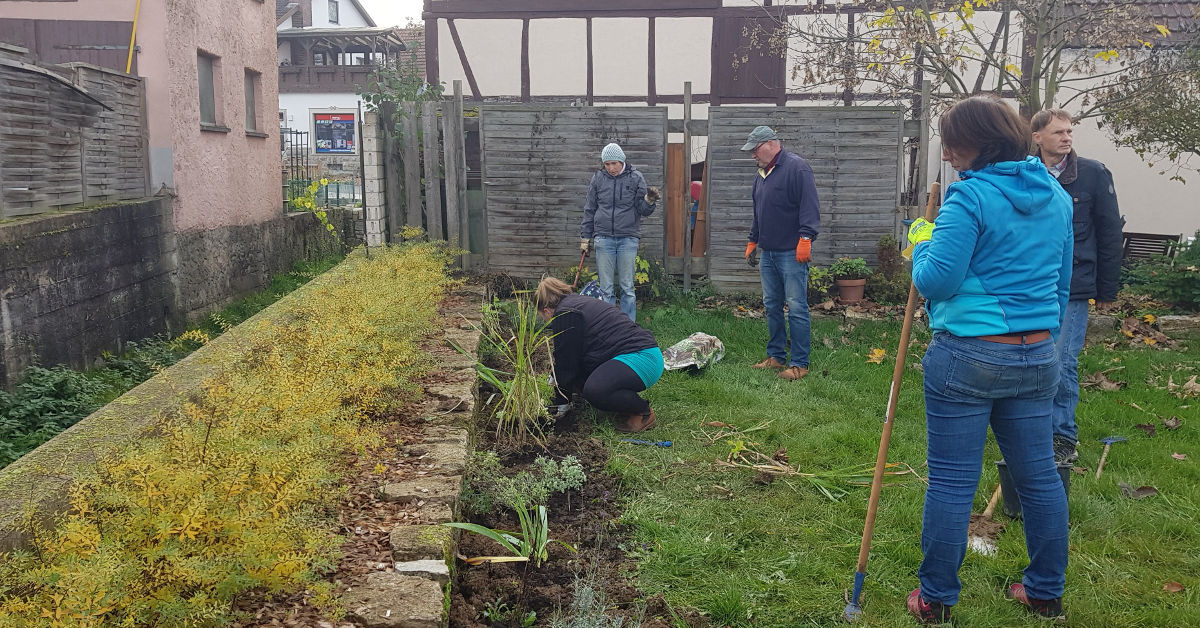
point(432, 75)
point(462, 58)
point(591, 70)
point(524, 60)
point(714, 77)
point(651, 87)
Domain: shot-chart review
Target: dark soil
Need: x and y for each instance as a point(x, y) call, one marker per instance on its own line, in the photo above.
point(589, 524)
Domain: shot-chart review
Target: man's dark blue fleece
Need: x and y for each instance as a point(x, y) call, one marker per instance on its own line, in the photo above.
point(785, 204)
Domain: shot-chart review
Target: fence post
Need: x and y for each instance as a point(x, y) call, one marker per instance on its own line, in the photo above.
point(460, 135)
point(433, 188)
point(687, 187)
point(452, 125)
point(412, 164)
point(393, 193)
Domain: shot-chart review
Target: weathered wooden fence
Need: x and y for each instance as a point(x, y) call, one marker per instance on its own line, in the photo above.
point(855, 155)
point(537, 163)
point(70, 135)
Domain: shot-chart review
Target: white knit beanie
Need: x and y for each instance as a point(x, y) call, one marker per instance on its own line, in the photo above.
point(612, 152)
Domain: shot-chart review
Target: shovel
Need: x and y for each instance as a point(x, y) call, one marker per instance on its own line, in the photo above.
point(983, 531)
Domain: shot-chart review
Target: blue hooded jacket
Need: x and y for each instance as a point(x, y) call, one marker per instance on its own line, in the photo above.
point(999, 260)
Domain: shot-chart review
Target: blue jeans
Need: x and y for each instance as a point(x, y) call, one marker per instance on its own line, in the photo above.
point(970, 384)
point(783, 278)
point(619, 255)
point(1070, 343)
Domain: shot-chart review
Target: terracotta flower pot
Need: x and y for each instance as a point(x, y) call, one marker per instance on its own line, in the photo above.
point(851, 290)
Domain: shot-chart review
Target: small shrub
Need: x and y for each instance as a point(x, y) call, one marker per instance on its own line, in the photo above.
point(820, 282)
point(889, 284)
point(588, 606)
point(1174, 280)
point(486, 485)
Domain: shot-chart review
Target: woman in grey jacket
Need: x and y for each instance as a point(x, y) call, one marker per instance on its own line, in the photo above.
point(617, 199)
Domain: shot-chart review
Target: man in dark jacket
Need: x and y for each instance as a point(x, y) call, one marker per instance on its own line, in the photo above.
point(1096, 272)
point(786, 219)
point(617, 200)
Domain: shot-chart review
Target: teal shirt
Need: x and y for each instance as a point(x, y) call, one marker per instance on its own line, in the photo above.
point(647, 363)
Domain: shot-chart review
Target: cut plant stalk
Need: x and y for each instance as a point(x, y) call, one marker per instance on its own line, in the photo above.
point(982, 532)
point(853, 608)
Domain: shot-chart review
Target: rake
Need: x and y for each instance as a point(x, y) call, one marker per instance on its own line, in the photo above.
point(853, 610)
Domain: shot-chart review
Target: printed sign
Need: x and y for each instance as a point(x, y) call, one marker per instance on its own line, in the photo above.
point(334, 132)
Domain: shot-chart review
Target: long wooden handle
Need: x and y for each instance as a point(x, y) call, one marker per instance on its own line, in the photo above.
point(1103, 457)
point(864, 548)
point(582, 256)
point(991, 507)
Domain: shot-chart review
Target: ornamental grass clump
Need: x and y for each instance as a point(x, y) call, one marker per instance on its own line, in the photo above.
point(523, 393)
point(236, 491)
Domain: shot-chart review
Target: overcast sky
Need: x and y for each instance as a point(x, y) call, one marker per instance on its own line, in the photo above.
point(393, 12)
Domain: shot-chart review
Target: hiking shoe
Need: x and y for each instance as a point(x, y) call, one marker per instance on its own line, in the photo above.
point(769, 363)
point(1064, 451)
point(793, 372)
point(1048, 609)
point(927, 612)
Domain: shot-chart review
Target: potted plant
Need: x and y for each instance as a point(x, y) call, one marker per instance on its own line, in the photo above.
point(850, 277)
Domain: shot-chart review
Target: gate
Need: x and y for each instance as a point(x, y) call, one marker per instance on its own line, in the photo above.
point(296, 175)
point(537, 162)
point(855, 154)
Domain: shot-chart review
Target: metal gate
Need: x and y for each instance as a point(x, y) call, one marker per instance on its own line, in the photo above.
point(537, 162)
point(855, 154)
point(296, 175)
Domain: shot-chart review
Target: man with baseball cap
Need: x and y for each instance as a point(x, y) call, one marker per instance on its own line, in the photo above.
point(786, 220)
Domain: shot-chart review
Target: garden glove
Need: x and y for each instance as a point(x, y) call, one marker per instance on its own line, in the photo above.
point(652, 196)
point(920, 231)
point(752, 254)
point(584, 245)
point(804, 250)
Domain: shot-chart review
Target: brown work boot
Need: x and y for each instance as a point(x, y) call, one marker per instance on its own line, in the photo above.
point(793, 372)
point(637, 423)
point(769, 363)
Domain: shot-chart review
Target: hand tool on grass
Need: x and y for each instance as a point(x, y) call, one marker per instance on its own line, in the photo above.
point(1108, 443)
point(655, 443)
point(853, 609)
point(982, 532)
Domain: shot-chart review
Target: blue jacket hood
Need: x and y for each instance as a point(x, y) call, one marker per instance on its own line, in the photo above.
point(1019, 182)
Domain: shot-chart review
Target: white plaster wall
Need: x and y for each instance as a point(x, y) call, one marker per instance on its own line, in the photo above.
point(285, 53)
point(682, 52)
point(619, 56)
point(557, 57)
point(300, 106)
point(347, 14)
point(493, 48)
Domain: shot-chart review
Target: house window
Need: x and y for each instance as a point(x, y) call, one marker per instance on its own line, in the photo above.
point(252, 98)
point(333, 11)
point(208, 69)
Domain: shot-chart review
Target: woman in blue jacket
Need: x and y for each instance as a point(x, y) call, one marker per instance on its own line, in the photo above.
point(617, 200)
point(995, 273)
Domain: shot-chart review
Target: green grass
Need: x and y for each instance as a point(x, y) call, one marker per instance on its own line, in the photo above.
point(782, 554)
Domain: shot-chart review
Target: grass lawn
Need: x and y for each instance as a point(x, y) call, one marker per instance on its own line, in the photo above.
point(782, 554)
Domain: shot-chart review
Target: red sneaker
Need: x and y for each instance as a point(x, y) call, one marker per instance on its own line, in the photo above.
point(929, 613)
point(1048, 609)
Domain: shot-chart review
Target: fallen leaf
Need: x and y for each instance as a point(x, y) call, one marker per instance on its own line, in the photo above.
point(1179, 456)
point(1146, 427)
point(1149, 318)
point(716, 424)
point(1172, 587)
point(828, 305)
point(1172, 423)
point(1140, 492)
point(1101, 381)
point(876, 356)
point(1080, 470)
point(1149, 341)
point(829, 344)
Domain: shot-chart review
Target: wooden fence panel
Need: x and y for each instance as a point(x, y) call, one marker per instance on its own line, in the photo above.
point(855, 156)
point(537, 162)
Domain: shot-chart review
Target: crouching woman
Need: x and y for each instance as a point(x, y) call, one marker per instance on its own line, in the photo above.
point(599, 352)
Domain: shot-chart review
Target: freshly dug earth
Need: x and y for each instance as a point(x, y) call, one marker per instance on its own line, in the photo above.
point(589, 525)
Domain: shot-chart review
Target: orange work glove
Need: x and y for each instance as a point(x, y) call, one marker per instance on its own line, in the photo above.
point(804, 251)
point(752, 254)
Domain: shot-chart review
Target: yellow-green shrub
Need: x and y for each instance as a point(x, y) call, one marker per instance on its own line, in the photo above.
point(237, 491)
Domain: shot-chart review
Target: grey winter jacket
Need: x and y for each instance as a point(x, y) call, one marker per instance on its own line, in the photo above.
point(615, 205)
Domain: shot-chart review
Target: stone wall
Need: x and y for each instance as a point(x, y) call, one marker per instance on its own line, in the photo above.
point(77, 283)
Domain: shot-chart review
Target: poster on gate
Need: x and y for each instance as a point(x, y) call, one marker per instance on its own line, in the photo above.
point(334, 132)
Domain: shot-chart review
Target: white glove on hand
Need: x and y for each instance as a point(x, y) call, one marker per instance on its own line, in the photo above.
point(584, 245)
